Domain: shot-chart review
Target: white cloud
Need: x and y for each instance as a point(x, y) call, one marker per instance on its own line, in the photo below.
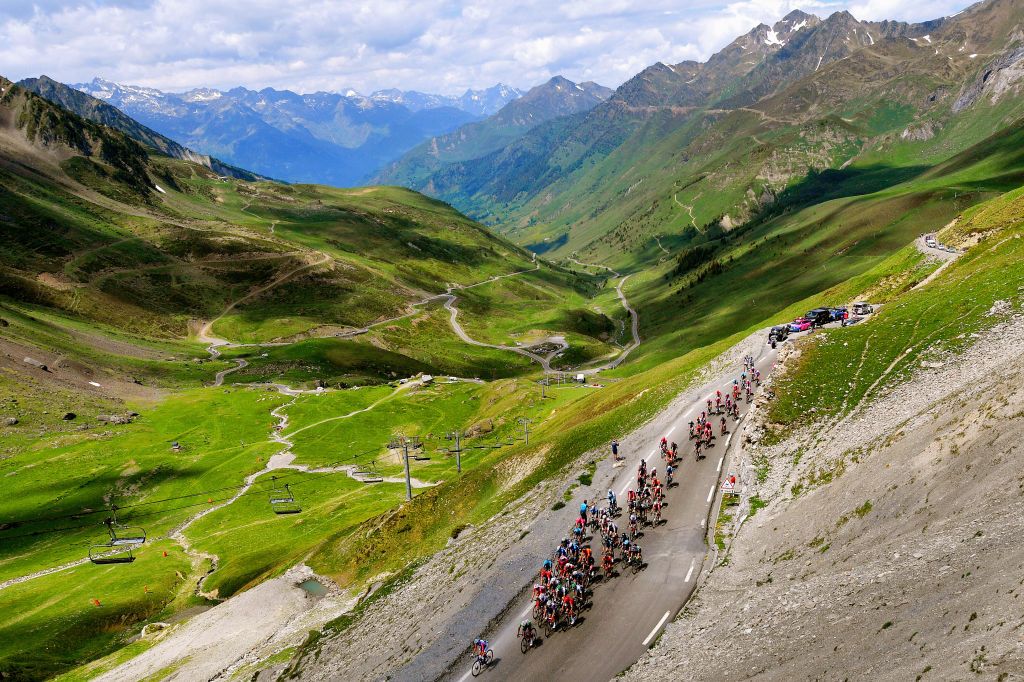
point(432, 45)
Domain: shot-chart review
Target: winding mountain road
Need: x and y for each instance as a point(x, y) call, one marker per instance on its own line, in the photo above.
point(633, 315)
point(628, 612)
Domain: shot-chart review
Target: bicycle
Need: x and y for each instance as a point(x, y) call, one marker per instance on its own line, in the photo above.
point(526, 640)
point(482, 662)
point(550, 623)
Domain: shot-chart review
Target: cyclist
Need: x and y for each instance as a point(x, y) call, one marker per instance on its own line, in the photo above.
point(611, 500)
point(668, 475)
point(526, 632)
point(569, 607)
point(657, 510)
point(480, 649)
point(607, 562)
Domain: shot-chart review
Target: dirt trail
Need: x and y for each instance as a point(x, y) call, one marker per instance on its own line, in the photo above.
point(39, 574)
point(216, 642)
point(206, 331)
point(689, 209)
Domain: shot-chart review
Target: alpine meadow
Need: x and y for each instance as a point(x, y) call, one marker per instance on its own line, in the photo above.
point(709, 371)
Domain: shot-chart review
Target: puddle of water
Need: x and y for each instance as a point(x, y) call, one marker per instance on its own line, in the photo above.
point(313, 587)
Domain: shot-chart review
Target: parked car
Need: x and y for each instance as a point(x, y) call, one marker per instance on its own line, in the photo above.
point(838, 313)
point(819, 316)
point(800, 324)
point(863, 308)
point(779, 333)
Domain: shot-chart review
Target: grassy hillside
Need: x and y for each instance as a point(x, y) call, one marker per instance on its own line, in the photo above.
point(117, 263)
point(682, 149)
point(122, 266)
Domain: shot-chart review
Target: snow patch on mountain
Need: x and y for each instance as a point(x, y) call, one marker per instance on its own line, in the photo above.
point(773, 38)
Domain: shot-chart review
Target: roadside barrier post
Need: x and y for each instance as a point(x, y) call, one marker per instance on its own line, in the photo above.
point(408, 478)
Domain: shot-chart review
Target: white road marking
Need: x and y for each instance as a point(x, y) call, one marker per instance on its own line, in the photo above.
point(466, 676)
point(711, 493)
point(624, 489)
point(702, 522)
point(670, 432)
point(689, 574)
point(656, 628)
point(528, 609)
point(720, 460)
point(727, 441)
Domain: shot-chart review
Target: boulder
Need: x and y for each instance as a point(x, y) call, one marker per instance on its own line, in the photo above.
point(11, 421)
point(68, 416)
point(481, 427)
point(35, 363)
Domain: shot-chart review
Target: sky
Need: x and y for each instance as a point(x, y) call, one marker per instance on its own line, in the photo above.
point(439, 46)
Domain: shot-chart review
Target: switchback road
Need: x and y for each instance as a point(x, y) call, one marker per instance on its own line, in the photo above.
point(628, 612)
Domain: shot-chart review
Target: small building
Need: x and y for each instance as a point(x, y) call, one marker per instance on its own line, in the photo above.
point(581, 378)
point(427, 378)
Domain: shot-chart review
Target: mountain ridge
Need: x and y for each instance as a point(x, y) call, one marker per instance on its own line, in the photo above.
point(605, 184)
point(555, 98)
point(339, 139)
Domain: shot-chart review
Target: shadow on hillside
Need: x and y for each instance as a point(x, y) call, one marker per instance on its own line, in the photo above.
point(829, 184)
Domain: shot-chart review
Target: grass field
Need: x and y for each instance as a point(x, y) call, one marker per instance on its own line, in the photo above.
point(848, 366)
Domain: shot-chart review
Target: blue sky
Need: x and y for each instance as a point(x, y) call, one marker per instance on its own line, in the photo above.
point(442, 46)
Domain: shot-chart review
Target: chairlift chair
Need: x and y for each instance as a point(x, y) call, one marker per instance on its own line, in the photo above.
point(282, 501)
point(122, 535)
point(371, 474)
point(111, 554)
point(119, 549)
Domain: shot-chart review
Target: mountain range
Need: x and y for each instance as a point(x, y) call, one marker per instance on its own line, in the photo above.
point(332, 138)
point(683, 147)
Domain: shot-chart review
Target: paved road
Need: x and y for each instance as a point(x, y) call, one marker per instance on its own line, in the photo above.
point(629, 612)
point(941, 254)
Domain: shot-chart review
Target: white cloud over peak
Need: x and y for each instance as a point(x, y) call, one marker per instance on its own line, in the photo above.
point(431, 45)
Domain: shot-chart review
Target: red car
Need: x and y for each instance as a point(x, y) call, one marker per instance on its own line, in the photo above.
point(800, 324)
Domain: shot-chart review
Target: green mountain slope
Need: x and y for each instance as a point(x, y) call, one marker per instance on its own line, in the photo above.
point(558, 97)
point(683, 147)
point(96, 227)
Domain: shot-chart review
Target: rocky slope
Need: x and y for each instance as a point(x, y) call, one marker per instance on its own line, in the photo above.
point(889, 545)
